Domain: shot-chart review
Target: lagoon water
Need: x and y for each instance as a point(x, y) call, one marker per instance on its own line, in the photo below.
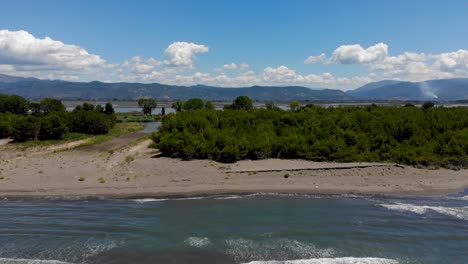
point(259, 228)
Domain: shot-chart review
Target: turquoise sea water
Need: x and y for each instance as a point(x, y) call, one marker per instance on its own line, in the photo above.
point(258, 228)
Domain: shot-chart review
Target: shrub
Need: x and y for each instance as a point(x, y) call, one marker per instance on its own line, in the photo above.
point(194, 104)
point(89, 121)
point(22, 129)
point(6, 127)
point(14, 104)
point(53, 126)
point(241, 102)
point(48, 105)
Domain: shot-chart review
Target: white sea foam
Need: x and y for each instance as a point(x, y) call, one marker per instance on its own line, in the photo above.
point(93, 248)
point(347, 260)
point(229, 197)
point(191, 198)
point(457, 212)
point(244, 249)
point(147, 200)
point(240, 196)
point(30, 261)
point(199, 242)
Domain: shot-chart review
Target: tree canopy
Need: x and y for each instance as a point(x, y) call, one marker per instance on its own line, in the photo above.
point(178, 105)
point(147, 105)
point(14, 104)
point(49, 119)
point(241, 102)
point(48, 105)
point(193, 104)
point(294, 105)
point(408, 135)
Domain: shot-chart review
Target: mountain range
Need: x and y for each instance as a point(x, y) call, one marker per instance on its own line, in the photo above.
point(436, 90)
point(34, 89)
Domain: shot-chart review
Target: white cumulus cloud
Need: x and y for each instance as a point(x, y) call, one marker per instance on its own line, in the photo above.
point(453, 61)
point(230, 66)
point(314, 59)
point(181, 54)
point(141, 66)
point(26, 52)
point(356, 54)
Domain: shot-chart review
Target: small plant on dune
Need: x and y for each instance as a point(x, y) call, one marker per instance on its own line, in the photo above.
point(40, 172)
point(102, 180)
point(1, 177)
point(82, 179)
point(129, 158)
point(286, 175)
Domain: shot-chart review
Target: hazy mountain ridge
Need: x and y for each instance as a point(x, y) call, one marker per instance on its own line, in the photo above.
point(12, 79)
point(443, 89)
point(33, 88)
point(37, 89)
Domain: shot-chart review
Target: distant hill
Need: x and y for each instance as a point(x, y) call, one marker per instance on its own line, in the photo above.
point(361, 91)
point(36, 89)
point(444, 89)
point(12, 79)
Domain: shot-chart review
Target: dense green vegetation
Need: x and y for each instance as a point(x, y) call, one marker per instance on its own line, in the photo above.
point(49, 120)
point(426, 136)
point(192, 104)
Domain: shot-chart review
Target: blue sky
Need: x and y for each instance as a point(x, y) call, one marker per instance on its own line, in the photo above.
point(189, 42)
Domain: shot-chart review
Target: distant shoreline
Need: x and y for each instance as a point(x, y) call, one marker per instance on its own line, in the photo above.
point(133, 172)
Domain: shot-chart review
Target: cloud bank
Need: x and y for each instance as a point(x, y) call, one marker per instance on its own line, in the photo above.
point(23, 54)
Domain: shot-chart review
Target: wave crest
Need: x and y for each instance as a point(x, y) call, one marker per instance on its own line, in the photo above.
point(245, 249)
point(199, 242)
point(457, 212)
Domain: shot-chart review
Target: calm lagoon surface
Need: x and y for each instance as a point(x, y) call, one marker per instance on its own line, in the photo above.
point(256, 228)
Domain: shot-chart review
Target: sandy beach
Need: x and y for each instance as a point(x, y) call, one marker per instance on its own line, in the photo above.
point(123, 169)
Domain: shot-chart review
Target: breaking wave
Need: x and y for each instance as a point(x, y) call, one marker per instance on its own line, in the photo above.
point(457, 212)
point(77, 252)
point(245, 249)
point(258, 194)
point(198, 242)
point(147, 200)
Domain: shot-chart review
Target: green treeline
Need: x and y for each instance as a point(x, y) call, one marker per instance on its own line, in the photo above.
point(408, 135)
point(49, 120)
